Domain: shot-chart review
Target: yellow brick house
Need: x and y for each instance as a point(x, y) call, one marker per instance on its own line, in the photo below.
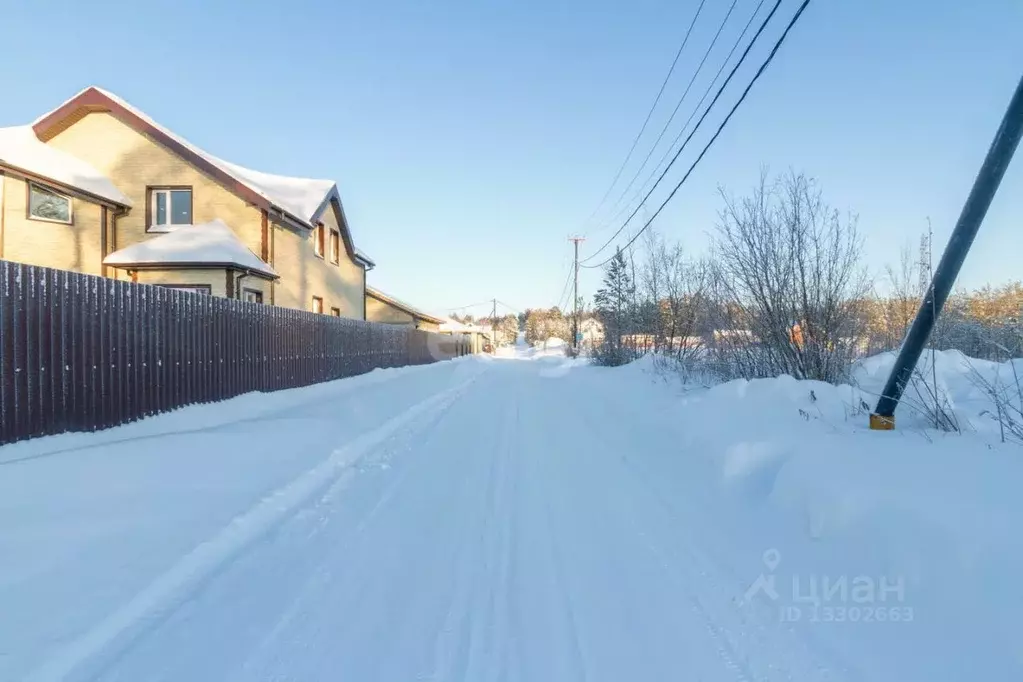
point(98, 186)
point(381, 307)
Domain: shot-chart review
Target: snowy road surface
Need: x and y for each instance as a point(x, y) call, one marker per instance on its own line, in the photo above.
point(474, 521)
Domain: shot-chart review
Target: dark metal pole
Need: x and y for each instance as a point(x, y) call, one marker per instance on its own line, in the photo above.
point(984, 188)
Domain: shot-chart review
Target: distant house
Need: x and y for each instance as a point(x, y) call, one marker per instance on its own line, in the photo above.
point(591, 331)
point(381, 307)
point(479, 337)
point(97, 186)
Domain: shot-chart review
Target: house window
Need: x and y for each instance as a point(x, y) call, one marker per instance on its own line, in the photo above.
point(335, 246)
point(45, 204)
point(252, 296)
point(318, 241)
point(190, 288)
point(317, 305)
point(169, 207)
point(336, 312)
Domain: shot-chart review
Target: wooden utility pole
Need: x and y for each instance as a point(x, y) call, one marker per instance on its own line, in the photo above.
point(575, 294)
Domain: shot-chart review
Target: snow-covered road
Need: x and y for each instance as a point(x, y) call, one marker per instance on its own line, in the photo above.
point(476, 521)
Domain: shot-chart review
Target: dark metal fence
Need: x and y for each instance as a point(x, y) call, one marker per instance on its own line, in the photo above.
point(81, 353)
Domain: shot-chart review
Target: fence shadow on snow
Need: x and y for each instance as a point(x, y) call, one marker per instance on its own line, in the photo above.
point(81, 353)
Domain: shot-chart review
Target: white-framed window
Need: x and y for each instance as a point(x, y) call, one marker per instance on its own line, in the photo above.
point(169, 208)
point(252, 296)
point(190, 288)
point(46, 204)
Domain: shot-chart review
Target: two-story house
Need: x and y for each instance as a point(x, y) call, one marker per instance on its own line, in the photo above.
point(97, 186)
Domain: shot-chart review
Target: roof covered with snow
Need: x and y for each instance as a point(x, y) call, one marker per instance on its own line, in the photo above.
point(454, 326)
point(304, 199)
point(301, 197)
point(22, 150)
point(210, 244)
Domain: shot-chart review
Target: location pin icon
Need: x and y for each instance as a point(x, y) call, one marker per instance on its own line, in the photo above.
point(772, 558)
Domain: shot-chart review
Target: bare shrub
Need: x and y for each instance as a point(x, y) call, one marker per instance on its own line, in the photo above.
point(788, 281)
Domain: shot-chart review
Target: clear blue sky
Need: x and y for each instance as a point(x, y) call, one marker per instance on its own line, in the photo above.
point(470, 138)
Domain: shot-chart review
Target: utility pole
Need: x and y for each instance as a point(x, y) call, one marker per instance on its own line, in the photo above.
point(575, 295)
point(493, 325)
point(983, 192)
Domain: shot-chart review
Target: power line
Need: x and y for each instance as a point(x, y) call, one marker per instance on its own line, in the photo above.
point(710, 106)
point(471, 305)
point(564, 290)
point(692, 114)
point(649, 113)
point(678, 105)
point(721, 127)
point(510, 307)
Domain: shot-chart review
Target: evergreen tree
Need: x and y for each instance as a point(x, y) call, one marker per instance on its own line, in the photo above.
point(614, 307)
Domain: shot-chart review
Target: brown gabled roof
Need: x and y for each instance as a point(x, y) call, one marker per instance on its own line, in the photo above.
point(241, 181)
point(93, 99)
point(401, 305)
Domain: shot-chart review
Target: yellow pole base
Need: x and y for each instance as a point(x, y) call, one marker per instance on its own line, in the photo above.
point(879, 423)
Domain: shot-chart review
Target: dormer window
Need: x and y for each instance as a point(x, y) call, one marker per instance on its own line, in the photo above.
point(169, 208)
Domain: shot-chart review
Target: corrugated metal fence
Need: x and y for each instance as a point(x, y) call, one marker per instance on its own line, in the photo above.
point(80, 353)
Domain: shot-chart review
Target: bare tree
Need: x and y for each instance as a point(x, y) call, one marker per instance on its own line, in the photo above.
point(790, 279)
point(903, 298)
point(675, 289)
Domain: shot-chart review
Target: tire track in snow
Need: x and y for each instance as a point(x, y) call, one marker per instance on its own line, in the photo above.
point(726, 625)
point(203, 562)
point(473, 642)
point(319, 578)
point(578, 658)
point(669, 563)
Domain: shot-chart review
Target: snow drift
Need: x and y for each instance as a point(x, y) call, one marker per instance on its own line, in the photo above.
point(940, 511)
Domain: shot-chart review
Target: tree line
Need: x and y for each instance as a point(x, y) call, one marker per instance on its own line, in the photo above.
point(783, 290)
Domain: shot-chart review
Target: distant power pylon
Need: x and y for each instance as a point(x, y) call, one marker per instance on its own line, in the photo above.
point(925, 260)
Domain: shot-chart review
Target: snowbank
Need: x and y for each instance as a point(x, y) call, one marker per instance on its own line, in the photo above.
point(939, 512)
point(551, 348)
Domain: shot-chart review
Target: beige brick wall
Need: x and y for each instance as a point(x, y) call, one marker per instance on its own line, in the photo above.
point(304, 275)
point(53, 245)
point(133, 162)
point(346, 279)
point(381, 311)
point(216, 279)
point(256, 284)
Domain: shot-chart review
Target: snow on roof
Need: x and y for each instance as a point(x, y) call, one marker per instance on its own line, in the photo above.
point(301, 197)
point(212, 243)
point(452, 325)
point(21, 149)
point(359, 253)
